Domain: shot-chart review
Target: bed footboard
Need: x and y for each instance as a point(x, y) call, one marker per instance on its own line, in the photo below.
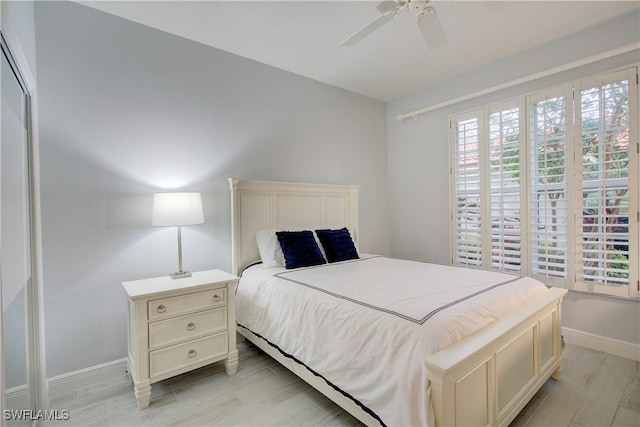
point(487, 378)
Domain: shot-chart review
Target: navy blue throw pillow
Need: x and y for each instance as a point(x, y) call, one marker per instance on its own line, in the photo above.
point(300, 249)
point(337, 244)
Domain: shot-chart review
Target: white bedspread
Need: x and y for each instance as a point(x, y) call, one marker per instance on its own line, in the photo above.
point(367, 325)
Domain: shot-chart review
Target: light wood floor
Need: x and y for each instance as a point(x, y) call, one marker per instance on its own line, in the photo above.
point(596, 389)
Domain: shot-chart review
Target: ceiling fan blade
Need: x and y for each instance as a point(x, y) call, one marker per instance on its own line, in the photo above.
point(431, 28)
point(368, 29)
point(386, 6)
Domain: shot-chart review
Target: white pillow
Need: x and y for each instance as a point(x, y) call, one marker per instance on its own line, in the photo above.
point(269, 248)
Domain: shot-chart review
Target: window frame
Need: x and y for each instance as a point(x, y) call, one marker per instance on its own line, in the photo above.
point(573, 266)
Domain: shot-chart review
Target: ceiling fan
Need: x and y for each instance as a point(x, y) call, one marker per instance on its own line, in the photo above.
point(426, 18)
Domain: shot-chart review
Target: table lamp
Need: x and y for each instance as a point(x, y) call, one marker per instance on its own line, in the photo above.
point(177, 210)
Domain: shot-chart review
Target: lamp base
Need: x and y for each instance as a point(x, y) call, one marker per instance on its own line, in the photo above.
point(180, 275)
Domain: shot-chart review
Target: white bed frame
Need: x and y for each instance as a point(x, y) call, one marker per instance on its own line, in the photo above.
point(485, 379)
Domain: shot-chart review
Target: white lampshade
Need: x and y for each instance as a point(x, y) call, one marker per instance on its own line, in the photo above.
point(176, 209)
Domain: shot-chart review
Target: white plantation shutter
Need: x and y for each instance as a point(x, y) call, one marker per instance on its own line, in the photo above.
point(549, 171)
point(559, 200)
point(607, 157)
point(504, 187)
point(487, 188)
point(467, 209)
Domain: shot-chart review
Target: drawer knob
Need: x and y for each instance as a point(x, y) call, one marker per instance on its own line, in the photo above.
point(161, 308)
point(192, 353)
point(217, 297)
point(191, 326)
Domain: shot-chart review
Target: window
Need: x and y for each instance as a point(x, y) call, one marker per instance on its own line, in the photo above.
point(607, 115)
point(504, 188)
point(549, 209)
point(547, 185)
point(467, 154)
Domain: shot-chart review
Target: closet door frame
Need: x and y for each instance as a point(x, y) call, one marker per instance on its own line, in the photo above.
point(35, 345)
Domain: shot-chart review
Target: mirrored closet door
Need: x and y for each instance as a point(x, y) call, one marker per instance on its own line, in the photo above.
point(16, 241)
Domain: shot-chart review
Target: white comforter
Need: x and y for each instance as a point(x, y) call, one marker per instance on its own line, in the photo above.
point(367, 325)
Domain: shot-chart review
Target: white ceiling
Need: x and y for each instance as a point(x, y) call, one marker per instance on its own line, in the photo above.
point(304, 36)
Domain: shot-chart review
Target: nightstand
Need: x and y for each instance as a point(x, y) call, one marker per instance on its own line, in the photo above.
point(177, 325)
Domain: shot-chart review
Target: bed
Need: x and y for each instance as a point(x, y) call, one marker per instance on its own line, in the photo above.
point(481, 374)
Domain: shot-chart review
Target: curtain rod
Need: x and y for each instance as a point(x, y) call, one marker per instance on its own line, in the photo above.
point(555, 70)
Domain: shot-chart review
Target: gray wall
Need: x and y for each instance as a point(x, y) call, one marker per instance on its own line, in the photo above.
point(419, 161)
point(126, 110)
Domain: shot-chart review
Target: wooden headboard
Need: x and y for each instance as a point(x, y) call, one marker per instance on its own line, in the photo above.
point(267, 205)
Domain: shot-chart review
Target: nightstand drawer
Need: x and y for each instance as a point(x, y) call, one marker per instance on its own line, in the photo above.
point(183, 304)
point(178, 358)
point(171, 331)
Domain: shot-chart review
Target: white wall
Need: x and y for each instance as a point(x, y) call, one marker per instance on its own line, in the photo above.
point(419, 161)
point(126, 110)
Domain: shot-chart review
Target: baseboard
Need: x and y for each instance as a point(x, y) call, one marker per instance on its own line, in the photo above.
point(607, 345)
point(71, 381)
point(17, 397)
